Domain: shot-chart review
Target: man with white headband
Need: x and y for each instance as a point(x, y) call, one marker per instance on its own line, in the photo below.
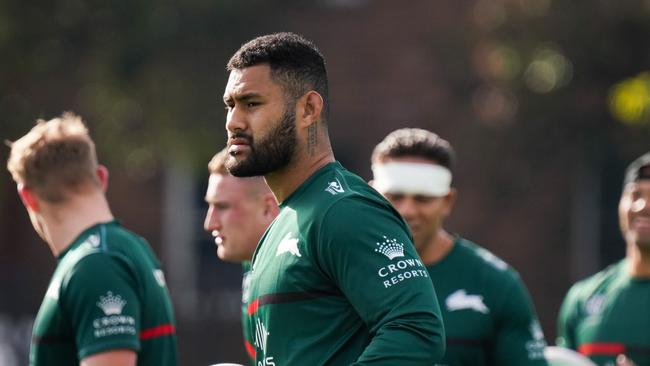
point(488, 315)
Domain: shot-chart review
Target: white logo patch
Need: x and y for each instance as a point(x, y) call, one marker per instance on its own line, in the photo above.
point(53, 290)
point(160, 277)
point(260, 335)
point(334, 187)
point(390, 248)
point(537, 345)
point(288, 244)
point(492, 259)
point(595, 304)
point(460, 300)
point(111, 305)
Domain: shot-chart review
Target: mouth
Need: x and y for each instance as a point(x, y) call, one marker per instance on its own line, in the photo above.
point(238, 143)
point(218, 238)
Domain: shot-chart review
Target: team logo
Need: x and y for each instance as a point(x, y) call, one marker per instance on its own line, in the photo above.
point(334, 187)
point(460, 300)
point(261, 335)
point(536, 346)
point(288, 244)
point(53, 290)
point(390, 248)
point(595, 304)
point(536, 330)
point(160, 277)
point(492, 259)
point(110, 304)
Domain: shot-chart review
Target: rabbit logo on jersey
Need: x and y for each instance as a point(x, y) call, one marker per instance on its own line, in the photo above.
point(401, 268)
point(261, 334)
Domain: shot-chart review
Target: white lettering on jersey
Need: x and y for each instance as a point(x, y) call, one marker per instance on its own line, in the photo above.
point(288, 244)
point(460, 300)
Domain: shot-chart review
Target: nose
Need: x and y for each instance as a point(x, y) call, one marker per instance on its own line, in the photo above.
point(407, 208)
point(211, 222)
point(235, 120)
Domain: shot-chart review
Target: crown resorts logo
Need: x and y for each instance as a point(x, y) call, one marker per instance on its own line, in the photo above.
point(390, 248)
point(111, 305)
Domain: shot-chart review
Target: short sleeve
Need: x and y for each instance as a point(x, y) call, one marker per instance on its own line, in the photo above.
point(367, 252)
point(100, 299)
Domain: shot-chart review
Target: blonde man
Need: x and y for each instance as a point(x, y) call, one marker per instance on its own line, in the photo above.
point(107, 302)
point(239, 211)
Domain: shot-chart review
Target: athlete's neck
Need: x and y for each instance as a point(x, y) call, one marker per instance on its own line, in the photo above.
point(285, 181)
point(437, 248)
point(62, 223)
point(638, 261)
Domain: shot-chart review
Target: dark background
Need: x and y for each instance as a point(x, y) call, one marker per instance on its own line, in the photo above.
point(545, 101)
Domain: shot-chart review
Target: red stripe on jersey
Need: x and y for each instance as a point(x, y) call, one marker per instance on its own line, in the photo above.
point(252, 307)
point(250, 349)
point(159, 331)
point(590, 349)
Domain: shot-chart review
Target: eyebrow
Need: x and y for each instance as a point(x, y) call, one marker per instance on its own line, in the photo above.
point(243, 98)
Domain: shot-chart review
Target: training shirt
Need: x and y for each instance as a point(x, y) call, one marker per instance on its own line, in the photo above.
point(488, 315)
point(606, 315)
point(336, 280)
point(245, 295)
point(107, 292)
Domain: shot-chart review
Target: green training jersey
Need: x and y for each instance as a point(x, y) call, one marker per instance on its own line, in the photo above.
point(606, 315)
point(489, 316)
point(107, 292)
point(336, 280)
point(245, 299)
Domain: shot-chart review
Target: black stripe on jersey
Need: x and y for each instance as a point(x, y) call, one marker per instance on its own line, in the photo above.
point(284, 297)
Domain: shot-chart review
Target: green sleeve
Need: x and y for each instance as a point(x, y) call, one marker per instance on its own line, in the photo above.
point(401, 313)
point(565, 327)
point(102, 305)
point(519, 339)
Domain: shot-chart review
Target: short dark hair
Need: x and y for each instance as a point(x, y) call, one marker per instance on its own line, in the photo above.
point(638, 169)
point(294, 61)
point(415, 142)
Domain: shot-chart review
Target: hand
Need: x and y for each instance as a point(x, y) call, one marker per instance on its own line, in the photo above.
point(622, 360)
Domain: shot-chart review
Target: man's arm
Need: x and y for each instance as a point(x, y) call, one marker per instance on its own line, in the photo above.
point(565, 334)
point(100, 299)
point(367, 251)
point(519, 339)
point(111, 358)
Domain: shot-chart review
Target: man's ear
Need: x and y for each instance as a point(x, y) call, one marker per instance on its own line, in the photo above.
point(102, 176)
point(28, 197)
point(450, 200)
point(309, 108)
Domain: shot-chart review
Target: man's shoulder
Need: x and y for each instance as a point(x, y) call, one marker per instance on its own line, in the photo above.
point(597, 282)
point(484, 260)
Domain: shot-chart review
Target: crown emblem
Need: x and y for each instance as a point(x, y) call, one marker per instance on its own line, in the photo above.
point(390, 248)
point(111, 305)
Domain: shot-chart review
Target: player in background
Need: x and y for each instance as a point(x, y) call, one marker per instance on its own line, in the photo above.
point(607, 316)
point(239, 211)
point(107, 302)
point(335, 279)
point(488, 315)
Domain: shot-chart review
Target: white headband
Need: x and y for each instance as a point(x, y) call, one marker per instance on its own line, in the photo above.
point(412, 178)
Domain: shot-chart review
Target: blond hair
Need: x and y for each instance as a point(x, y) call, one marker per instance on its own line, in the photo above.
point(54, 158)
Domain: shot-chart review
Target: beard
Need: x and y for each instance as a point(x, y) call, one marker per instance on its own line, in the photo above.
point(271, 153)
